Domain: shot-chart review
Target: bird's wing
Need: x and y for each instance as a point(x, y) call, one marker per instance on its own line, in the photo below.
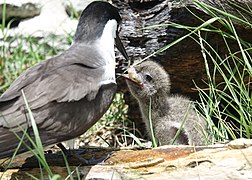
point(68, 77)
point(66, 84)
point(46, 83)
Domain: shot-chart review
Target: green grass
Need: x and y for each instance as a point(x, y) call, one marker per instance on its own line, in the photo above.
point(154, 140)
point(37, 144)
point(230, 101)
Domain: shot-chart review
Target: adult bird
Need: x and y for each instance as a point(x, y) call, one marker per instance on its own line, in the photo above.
point(68, 93)
point(150, 84)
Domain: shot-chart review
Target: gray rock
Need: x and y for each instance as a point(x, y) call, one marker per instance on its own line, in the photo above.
point(52, 24)
point(76, 5)
point(21, 9)
point(53, 19)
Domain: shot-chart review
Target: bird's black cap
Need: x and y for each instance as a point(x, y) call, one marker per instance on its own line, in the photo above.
point(93, 20)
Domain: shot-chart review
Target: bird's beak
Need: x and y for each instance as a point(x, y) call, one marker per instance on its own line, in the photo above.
point(120, 47)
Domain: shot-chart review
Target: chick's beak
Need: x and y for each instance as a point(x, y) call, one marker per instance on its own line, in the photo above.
point(120, 47)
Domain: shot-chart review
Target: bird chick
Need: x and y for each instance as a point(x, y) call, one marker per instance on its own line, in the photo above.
point(150, 84)
point(68, 93)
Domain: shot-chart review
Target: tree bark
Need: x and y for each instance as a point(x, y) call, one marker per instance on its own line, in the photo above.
point(231, 161)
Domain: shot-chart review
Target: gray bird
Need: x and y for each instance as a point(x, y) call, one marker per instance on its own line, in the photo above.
point(149, 81)
point(68, 93)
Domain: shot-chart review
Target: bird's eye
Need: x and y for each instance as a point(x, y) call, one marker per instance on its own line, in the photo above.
point(148, 77)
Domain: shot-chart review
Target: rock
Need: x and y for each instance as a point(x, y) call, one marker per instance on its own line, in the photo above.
point(240, 143)
point(20, 9)
point(76, 5)
point(52, 24)
point(53, 19)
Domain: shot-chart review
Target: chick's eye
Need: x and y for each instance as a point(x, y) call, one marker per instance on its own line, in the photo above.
point(148, 77)
point(118, 28)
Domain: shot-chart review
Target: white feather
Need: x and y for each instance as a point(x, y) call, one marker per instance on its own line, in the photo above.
point(106, 47)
